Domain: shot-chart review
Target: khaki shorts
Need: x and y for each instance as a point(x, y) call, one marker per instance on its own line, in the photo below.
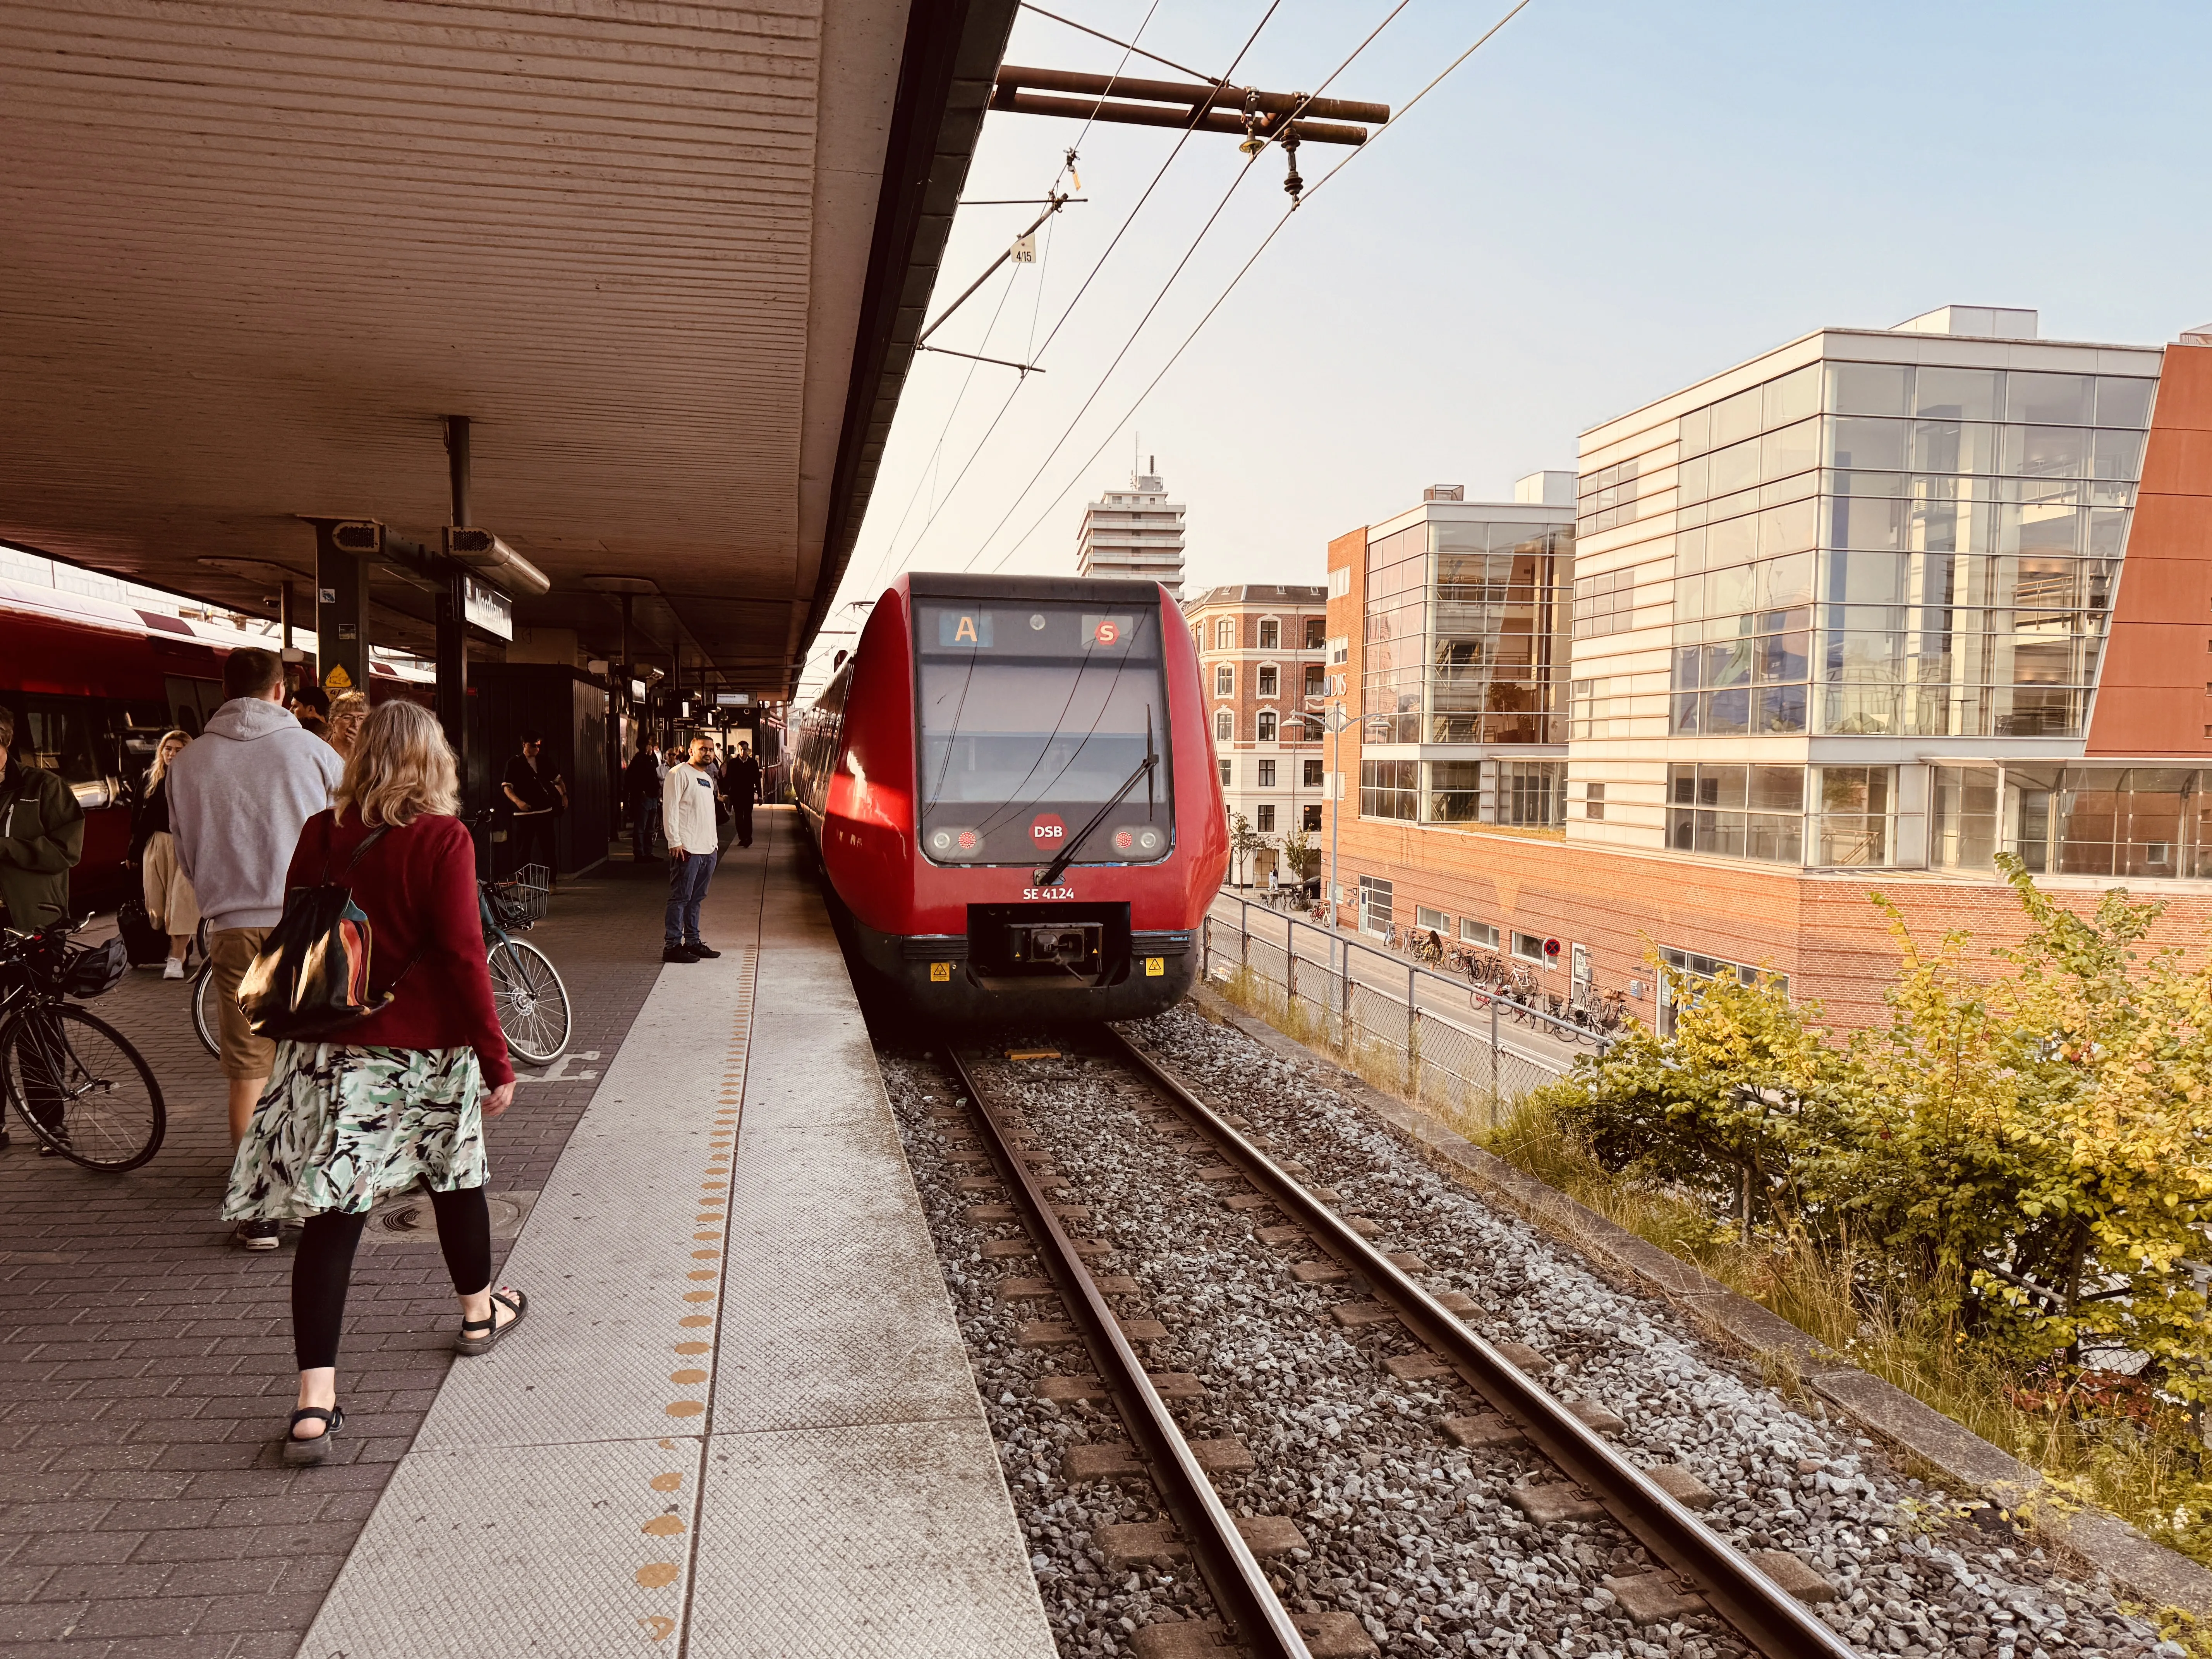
point(232, 950)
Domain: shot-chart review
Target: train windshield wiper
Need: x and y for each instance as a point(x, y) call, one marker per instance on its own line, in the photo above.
point(1052, 871)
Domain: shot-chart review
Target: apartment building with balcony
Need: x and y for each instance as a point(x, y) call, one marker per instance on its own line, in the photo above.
point(1854, 617)
point(1263, 653)
point(1136, 533)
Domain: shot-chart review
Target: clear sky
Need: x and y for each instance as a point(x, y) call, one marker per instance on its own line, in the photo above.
point(1605, 202)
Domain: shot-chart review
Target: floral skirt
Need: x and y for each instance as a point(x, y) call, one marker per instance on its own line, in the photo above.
point(341, 1128)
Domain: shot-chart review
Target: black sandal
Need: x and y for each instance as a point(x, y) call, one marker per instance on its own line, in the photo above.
point(312, 1450)
point(491, 1329)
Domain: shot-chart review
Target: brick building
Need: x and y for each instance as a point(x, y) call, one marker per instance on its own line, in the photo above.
point(1852, 617)
point(1262, 652)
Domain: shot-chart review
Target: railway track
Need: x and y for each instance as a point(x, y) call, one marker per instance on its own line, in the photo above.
point(1695, 1566)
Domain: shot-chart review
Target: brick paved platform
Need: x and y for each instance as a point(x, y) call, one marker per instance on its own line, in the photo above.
point(146, 1367)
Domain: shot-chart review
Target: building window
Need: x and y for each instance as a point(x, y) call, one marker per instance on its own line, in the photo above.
point(1374, 905)
point(1431, 922)
point(1737, 812)
point(1388, 789)
point(1311, 816)
point(1339, 648)
point(1593, 801)
point(1478, 933)
point(1312, 773)
point(1271, 635)
point(1455, 791)
point(1225, 725)
point(1532, 793)
point(1316, 632)
point(1263, 817)
point(2139, 821)
point(1198, 636)
point(1267, 770)
point(1266, 725)
point(1225, 635)
point(1604, 604)
point(1313, 679)
point(1857, 805)
point(1529, 947)
point(1270, 681)
point(1228, 778)
point(1701, 970)
point(1225, 680)
point(1340, 581)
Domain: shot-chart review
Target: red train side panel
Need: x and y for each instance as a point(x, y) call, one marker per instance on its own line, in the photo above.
point(1027, 699)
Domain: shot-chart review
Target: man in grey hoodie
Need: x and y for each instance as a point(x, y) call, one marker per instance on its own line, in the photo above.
point(237, 799)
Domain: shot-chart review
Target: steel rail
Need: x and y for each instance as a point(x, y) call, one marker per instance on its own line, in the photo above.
point(1233, 1576)
point(1762, 1612)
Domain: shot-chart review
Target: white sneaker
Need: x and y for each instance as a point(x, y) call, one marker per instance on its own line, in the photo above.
point(172, 969)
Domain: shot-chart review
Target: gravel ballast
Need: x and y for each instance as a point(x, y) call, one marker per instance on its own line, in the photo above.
point(1421, 1537)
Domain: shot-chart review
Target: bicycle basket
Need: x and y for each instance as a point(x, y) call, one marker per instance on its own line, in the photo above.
point(520, 901)
point(94, 970)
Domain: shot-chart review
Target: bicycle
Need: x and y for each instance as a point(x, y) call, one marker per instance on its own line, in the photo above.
point(205, 1016)
point(525, 987)
point(86, 1093)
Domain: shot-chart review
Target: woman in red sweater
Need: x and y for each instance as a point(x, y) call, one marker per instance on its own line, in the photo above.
point(402, 1100)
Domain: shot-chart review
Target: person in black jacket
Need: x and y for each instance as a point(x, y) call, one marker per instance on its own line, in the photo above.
point(171, 904)
point(643, 783)
point(41, 836)
point(741, 781)
point(536, 792)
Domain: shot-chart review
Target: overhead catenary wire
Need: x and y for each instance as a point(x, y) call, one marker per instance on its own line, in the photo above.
point(1127, 220)
point(1069, 430)
point(1245, 270)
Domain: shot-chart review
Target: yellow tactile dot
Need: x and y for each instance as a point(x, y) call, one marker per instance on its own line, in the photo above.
point(698, 1296)
point(683, 1407)
point(706, 1272)
point(658, 1627)
point(711, 1233)
point(668, 1482)
point(704, 1256)
point(663, 1526)
point(686, 1378)
point(692, 1348)
point(654, 1574)
point(695, 1319)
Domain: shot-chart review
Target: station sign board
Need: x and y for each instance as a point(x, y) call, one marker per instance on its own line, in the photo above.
point(484, 606)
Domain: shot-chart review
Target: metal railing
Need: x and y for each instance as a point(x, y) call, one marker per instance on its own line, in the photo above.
point(1436, 1037)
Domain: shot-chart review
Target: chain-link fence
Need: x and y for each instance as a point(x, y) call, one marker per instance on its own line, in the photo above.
point(1434, 1038)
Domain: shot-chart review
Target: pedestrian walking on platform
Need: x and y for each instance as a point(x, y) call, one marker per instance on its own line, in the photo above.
point(171, 904)
point(402, 1101)
point(687, 819)
point(536, 790)
point(237, 797)
point(642, 782)
point(348, 710)
point(741, 781)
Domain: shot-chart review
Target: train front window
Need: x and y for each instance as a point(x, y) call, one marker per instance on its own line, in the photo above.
point(1033, 717)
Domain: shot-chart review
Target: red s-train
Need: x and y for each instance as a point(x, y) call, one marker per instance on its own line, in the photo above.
point(1014, 796)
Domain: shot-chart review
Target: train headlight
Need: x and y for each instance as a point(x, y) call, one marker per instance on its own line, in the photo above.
point(955, 843)
point(1140, 841)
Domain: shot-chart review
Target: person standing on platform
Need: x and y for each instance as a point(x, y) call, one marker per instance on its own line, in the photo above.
point(171, 905)
point(41, 836)
point(741, 780)
point(536, 790)
point(402, 1099)
point(643, 783)
point(348, 710)
point(237, 799)
point(687, 819)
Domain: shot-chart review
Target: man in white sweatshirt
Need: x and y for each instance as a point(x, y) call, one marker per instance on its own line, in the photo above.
point(255, 777)
point(687, 822)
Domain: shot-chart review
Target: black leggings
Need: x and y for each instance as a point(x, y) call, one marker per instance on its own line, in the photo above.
point(324, 1265)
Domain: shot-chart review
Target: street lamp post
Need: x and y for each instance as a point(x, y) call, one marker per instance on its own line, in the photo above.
point(1334, 722)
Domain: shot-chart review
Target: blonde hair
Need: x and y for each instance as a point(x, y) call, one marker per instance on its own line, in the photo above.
point(401, 767)
point(345, 704)
point(161, 757)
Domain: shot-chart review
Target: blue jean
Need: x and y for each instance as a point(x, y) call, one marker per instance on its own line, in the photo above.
point(687, 889)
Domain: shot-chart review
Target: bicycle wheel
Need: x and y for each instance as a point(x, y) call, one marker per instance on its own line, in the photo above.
point(206, 1015)
point(533, 1003)
point(81, 1087)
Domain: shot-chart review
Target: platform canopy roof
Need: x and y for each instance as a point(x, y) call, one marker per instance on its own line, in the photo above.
point(668, 258)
